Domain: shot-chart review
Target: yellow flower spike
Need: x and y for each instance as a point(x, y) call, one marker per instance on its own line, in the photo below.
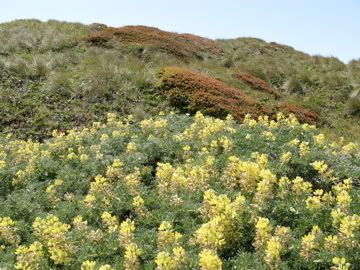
point(126, 234)
point(8, 231)
point(348, 226)
point(131, 147)
point(164, 261)
point(138, 201)
point(179, 256)
point(310, 242)
point(209, 260)
point(340, 264)
point(343, 199)
point(313, 203)
point(106, 267)
point(299, 186)
point(320, 166)
point(211, 234)
point(304, 149)
point(55, 234)
point(350, 147)
point(132, 182)
point(285, 157)
point(111, 222)
point(131, 257)
point(79, 223)
point(273, 252)
point(263, 230)
point(166, 236)
point(88, 265)
point(319, 139)
point(331, 243)
point(29, 257)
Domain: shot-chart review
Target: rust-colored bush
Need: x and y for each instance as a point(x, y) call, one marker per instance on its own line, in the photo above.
point(304, 116)
point(192, 91)
point(178, 44)
point(256, 83)
point(201, 42)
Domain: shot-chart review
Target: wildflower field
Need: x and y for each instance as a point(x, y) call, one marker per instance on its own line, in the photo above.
point(181, 192)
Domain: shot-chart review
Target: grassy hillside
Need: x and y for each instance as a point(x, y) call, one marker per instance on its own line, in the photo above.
point(136, 148)
point(57, 75)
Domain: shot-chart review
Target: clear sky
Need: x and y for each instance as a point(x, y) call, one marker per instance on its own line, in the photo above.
point(326, 27)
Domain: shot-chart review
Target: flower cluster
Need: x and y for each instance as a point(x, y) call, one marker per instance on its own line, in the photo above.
point(204, 193)
point(29, 257)
point(54, 234)
point(8, 231)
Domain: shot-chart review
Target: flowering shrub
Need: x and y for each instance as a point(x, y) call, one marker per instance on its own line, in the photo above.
point(180, 192)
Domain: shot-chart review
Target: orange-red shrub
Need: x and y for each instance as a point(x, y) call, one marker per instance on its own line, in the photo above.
point(256, 83)
point(177, 44)
point(192, 91)
point(302, 114)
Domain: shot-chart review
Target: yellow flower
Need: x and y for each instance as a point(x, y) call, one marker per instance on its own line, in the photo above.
point(285, 157)
point(84, 157)
point(28, 258)
point(268, 135)
point(299, 186)
point(88, 265)
point(320, 166)
point(105, 267)
point(350, 147)
point(331, 242)
point(79, 223)
point(310, 242)
point(164, 261)
point(131, 257)
point(211, 234)
point(131, 147)
point(340, 264)
point(166, 236)
point(55, 235)
point(8, 231)
point(111, 222)
point(343, 199)
point(138, 201)
point(313, 203)
point(304, 148)
point(348, 225)
point(273, 252)
point(209, 260)
point(319, 139)
point(127, 229)
point(263, 230)
point(241, 173)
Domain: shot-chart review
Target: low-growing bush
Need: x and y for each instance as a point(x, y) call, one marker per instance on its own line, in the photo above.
point(180, 192)
point(256, 83)
point(193, 91)
point(178, 44)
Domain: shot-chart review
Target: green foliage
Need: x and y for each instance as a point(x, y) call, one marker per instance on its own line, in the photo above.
point(173, 162)
point(52, 66)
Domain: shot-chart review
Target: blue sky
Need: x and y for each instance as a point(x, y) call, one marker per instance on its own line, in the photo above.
point(326, 27)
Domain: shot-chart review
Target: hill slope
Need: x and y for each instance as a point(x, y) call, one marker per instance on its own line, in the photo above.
point(57, 75)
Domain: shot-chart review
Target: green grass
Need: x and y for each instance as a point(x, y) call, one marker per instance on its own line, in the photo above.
point(50, 78)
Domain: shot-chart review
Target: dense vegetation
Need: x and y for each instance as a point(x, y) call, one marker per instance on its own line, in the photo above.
point(181, 192)
point(110, 157)
point(57, 75)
